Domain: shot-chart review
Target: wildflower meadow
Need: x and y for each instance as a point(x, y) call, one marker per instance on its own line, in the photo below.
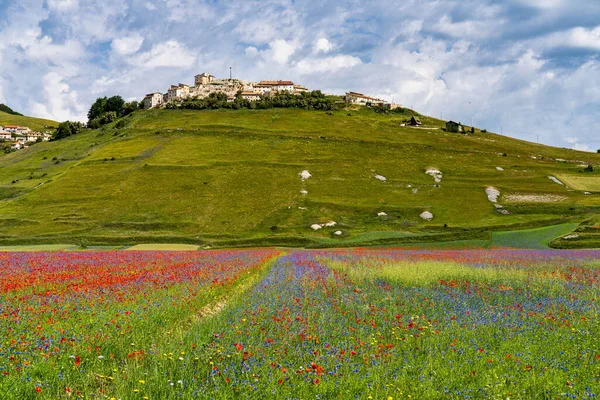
point(291, 324)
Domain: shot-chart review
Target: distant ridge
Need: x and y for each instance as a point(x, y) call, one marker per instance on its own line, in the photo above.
point(8, 110)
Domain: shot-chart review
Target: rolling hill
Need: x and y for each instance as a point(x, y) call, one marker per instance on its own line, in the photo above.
point(37, 124)
point(231, 178)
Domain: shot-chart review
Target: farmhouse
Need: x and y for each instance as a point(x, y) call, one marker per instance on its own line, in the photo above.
point(359, 98)
point(11, 128)
point(5, 135)
point(455, 127)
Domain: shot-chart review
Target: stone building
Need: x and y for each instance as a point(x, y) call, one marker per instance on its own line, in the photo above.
point(361, 99)
point(251, 96)
point(153, 100)
point(455, 127)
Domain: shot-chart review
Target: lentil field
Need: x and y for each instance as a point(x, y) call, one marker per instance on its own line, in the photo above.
point(295, 324)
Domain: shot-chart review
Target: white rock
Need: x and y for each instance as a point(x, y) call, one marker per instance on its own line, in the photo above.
point(303, 192)
point(338, 233)
point(381, 178)
point(500, 168)
point(415, 191)
point(553, 179)
point(426, 215)
point(302, 208)
point(316, 227)
point(305, 175)
point(435, 173)
point(498, 206)
point(381, 214)
point(587, 193)
point(331, 223)
point(504, 212)
point(571, 236)
point(492, 194)
point(409, 186)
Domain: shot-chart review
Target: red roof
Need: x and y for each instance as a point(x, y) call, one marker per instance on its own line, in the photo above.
point(12, 127)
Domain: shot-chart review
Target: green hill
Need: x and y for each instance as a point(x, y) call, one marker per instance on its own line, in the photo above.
point(36, 124)
point(231, 178)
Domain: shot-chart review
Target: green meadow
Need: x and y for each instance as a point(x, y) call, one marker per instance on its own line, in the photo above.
point(230, 178)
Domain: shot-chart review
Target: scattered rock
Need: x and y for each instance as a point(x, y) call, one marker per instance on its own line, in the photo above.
point(303, 192)
point(381, 178)
point(331, 223)
point(435, 173)
point(587, 193)
point(571, 236)
point(316, 227)
point(553, 179)
point(302, 208)
point(304, 175)
point(500, 168)
point(381, 214)
point(415, 191)
point(337, 233)
point(492, 194)
point(426, 215)
point(504, 212)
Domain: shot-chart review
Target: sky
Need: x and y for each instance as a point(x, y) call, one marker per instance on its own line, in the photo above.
point(525, 68)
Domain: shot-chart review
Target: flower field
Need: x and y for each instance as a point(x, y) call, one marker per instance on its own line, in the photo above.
point(342, 324)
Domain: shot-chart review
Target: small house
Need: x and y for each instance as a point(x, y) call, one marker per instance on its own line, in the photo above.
point(455, 127)
point(414, 121)
point(5, 135)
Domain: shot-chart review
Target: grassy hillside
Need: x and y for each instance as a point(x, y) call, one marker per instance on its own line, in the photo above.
point(33, 123)
point(230, 178)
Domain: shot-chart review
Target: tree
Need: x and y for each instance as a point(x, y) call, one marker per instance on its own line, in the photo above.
point(66, 129)
point(115, 104)
point(130, 107)
point(98, 108)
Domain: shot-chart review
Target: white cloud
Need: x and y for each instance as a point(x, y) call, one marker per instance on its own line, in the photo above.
point(127, 44)
point(63, 5)
point(280, 50)
point(61, 103)
point(327, 64)
point(323, 45)
point(251, 51)
point(166, 54)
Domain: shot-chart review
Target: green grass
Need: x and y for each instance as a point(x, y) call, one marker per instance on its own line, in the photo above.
point(538, 238)
point(230, 178)
point(32, 123)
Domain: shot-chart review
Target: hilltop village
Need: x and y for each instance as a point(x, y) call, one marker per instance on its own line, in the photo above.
point(21, 136)
point(205, 84)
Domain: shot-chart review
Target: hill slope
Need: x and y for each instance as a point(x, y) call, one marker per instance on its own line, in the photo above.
point(33, 123)
point(231, 178)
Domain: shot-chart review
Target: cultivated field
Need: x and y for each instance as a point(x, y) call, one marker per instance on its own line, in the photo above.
point(381, 324)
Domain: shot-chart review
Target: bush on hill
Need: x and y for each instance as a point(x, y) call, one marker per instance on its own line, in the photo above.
point(314, 100)
point(8, 110)
point(66, 129)
point(108, 109)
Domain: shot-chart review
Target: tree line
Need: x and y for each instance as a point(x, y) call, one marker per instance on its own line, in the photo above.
point(314, 100)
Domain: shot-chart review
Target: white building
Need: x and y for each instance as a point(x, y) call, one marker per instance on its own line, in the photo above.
point(153, 100)
point(11, 128)
point(275, 86)
point(180, 91)
point(33, 136)
point(5, 135)
point(359, 98)
point(251, 96)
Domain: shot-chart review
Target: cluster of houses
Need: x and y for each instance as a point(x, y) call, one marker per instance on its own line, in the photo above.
point(205, 84)
point(21, 136)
